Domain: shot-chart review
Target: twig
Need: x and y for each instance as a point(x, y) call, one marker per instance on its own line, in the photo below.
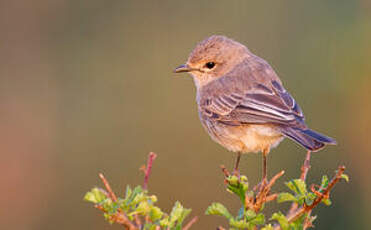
point(306, 166)
point(119, 217)
point(138, 222)
point(307, 221)
point(190, 223)
point(304, 172)
point(111, 194)
point(262, 196)
point(320, 196)
point(271, 197)
point(147, 171)
point(225, 171)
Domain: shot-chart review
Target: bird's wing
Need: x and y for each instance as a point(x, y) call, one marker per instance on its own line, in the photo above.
point(261, 102)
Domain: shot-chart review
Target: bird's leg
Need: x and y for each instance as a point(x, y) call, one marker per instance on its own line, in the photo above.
point(264, 180)
point(235, 171)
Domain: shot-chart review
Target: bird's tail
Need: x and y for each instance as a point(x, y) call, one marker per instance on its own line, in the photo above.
point(308, 138)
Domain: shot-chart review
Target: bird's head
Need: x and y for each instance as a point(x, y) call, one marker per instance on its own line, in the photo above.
point(213, 58)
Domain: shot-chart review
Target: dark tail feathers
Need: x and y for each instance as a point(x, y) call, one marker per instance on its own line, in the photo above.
point(310, 139)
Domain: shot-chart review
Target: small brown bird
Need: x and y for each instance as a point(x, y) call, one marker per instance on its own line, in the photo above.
point(242, 103)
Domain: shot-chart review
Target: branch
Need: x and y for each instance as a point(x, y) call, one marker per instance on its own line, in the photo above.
point(190, 223)
point(255, 202)
point(320, 196)
point(147, 170)
point(262, 196)
point(306, 166)
point(111, 194)
point(304, 171)
point(129, 211)
point(119, 217)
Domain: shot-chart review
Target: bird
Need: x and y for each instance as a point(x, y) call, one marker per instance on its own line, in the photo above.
point(242, 103)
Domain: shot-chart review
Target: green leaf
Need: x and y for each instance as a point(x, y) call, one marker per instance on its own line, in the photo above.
point(128, 191)
point(143, 208)
point(155, 214)
point(324, 183)
point(238, 186)
point(107, 217)
point(327, 202)
point(165, 222)
point(298, 186)
point(178, 214)
point(298, 224)
point(250, 214)
point(95, 196)
point(218, 209)
point(149, 226)
point(110, 206)
point(184, 215)
point(240, 224)
point(268, 227)
point(132, 195)
point(285, 197)
point(282, 220)
point(345, 177)
point(233, 180)
point(153, 199)
point(258, 220)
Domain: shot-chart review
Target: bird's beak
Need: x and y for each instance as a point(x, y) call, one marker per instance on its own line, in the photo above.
point(182, 68)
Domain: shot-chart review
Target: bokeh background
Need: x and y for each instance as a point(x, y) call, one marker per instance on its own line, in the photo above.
point(87, 87)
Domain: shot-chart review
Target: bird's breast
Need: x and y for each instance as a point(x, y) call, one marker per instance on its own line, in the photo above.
point(243, 138)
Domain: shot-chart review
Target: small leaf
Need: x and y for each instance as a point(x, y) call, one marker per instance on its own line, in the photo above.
point(250, 214)
point(233, 180)
point(110, 206)
point(128, 191)
point(218, 209)
point(282, 220)
point(327, 202)
point(268, 227)
point(238, 186)
point(132, 199)
point(243, 178)
point(165, 222)
point(298, 224)
point(300, 186)
point(285, 197)
point(155, 214)
point(108, 218)
point(95, 196)
point(153, 199)
point(345, 177)
point(258, 220)
point(143, 208)
point(240, 224)
point(178, 214)
point(324, 183)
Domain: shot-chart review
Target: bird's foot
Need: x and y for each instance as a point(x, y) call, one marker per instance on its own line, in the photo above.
point(263, 193)
point(260, 187)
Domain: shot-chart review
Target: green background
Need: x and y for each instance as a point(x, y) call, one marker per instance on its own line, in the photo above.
point(87, 87)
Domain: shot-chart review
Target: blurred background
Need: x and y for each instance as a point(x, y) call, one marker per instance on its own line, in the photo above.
point(87, 87)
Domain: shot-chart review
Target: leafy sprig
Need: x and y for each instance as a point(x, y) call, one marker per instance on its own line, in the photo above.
point(137, 209)
point(250, 216)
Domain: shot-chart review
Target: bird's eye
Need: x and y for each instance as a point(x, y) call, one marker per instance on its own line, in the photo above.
point(210, 65)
